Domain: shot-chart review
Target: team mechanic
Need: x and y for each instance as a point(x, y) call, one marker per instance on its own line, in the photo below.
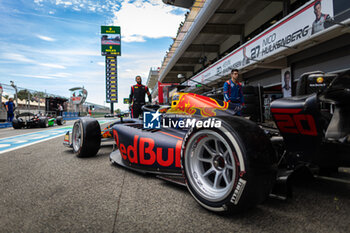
point(137, 97)
point(233, 90)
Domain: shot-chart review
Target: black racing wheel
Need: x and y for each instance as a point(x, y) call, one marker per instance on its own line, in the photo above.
point(228, 168)
point(43, 122)
point(60, 121)
point(86, 137)
point(16, 124)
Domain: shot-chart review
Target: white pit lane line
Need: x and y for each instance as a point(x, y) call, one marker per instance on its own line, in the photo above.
point(20, 141)
point(4, 145)
point(24, 140)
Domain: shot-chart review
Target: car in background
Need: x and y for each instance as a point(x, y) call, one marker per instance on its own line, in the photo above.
point(31, 120)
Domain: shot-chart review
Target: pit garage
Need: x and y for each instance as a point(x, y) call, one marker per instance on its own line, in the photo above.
point(266, 40)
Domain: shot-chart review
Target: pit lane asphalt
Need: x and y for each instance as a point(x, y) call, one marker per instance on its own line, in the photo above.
point(45, 188)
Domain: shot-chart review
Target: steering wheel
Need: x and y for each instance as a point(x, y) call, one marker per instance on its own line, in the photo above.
point(150, 107)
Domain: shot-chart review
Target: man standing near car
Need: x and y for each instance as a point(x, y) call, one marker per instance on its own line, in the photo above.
point(233, 90)
point(10, 107)
point(137, 97)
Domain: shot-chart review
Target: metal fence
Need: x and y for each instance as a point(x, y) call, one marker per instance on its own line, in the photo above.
point(35, 101)
point(25, 98)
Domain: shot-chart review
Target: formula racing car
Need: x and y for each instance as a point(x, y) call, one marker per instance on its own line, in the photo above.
point(230, 163)
point(31, 120)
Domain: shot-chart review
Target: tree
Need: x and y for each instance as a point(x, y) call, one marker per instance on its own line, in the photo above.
point(23, 94)
point(38, 95)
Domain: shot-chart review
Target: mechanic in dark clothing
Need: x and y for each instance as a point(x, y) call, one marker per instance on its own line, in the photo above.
point(10, 107)
point(137, 97)
point(233, 90)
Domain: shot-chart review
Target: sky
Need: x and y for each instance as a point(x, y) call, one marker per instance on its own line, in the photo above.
point(54, 45)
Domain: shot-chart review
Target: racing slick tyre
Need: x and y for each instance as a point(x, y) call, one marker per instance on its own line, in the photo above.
point(16, 124)
point(228, 168)
point(43, 122)
point(86, 137)
point(60, 121)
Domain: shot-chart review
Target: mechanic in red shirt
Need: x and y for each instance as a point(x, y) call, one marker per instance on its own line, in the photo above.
point(137, 97)
point(233, 90)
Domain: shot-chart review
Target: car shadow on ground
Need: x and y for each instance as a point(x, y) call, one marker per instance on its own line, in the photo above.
point(104, 151)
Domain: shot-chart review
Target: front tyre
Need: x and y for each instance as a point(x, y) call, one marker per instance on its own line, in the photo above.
point(86, 137)
point(229, 168)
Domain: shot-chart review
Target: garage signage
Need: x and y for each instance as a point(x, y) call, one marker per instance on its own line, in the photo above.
point(299, 27)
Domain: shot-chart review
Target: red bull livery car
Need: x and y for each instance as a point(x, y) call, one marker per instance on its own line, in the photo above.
point(230, 163)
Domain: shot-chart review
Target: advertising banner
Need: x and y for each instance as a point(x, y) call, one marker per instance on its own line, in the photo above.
point(110, 40)
point(308, 20)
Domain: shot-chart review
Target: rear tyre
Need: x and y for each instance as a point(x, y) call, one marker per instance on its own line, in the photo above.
point(16, 124)
point(43, 122)
point(86, 137)
point(60, 121)
point(230, 168)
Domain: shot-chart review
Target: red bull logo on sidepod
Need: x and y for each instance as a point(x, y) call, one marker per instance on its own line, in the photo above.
point(144, 151)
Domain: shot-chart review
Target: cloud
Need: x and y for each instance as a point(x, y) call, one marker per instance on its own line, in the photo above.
point(101, 63)
point(46, 38)
point(21, 58)
point(136, 23)
point(34, 76)
point(16, 57)
point(60, 75)
point(88, 5)
point(65, 3)
point(133, 16)
point(39, 2)
point(75, 52)
point(133, 39)
point(52, 65)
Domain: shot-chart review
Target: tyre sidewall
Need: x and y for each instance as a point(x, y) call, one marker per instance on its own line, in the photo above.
point(78, 122)
point(236, 146)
